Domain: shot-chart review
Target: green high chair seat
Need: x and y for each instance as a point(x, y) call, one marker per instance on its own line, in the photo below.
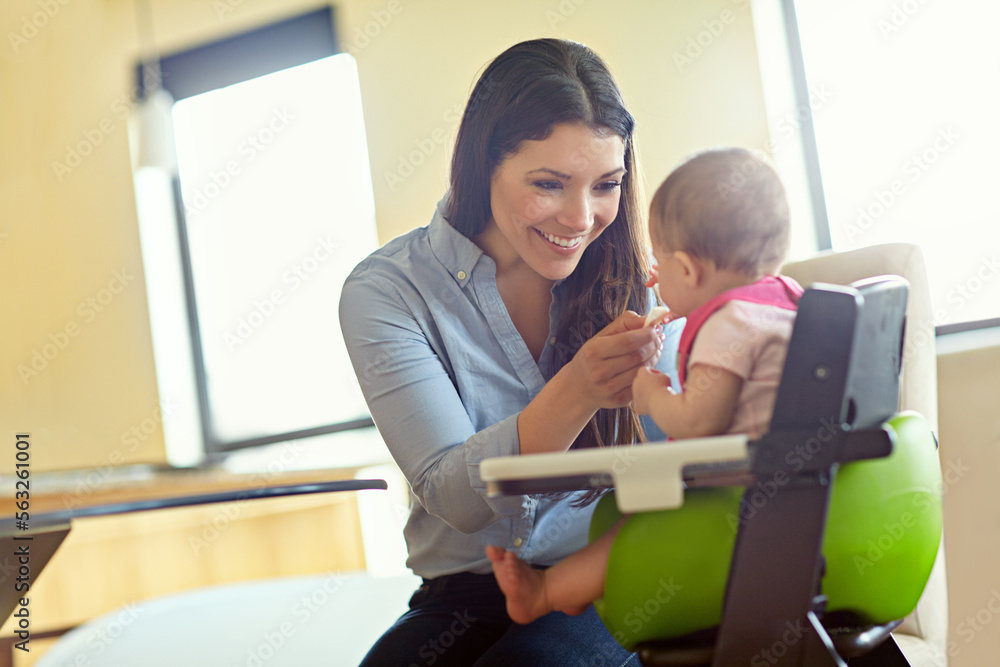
point(668, 569)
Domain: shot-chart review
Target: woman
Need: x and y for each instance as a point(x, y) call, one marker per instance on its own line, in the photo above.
point(509, 325)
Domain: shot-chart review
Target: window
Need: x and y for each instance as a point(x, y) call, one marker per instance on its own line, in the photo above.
point(274, 208)
point(907, 138)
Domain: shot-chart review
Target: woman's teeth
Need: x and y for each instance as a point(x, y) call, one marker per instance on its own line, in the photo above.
point(559, 241)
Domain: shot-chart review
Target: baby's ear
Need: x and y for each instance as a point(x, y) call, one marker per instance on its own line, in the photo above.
point(654, 274)
point(692, 268)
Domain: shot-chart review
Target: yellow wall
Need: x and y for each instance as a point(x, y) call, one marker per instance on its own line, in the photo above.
point(417, 74)
point(970, 456)
point(65, 80)
point(64, 239)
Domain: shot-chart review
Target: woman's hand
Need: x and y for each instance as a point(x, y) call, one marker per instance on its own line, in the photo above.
point(605, 366)
point(599, 376)
point(648, 382)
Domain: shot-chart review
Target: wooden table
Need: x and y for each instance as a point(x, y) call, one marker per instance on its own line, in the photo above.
point(105, 545)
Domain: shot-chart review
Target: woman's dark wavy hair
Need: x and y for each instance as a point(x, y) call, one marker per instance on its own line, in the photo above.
point(522, 94)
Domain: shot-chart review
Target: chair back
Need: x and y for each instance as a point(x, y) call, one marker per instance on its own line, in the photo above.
point(925, 631)
point(844, 357)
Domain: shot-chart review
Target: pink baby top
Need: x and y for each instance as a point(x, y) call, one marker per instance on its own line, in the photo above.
point(745, 331)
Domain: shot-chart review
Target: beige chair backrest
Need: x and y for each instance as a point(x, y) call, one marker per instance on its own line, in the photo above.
point(923, 635)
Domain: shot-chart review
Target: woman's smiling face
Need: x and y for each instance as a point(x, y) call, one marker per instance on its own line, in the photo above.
point(552, 198)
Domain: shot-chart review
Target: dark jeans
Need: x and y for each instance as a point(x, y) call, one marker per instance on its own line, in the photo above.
point(460, 620)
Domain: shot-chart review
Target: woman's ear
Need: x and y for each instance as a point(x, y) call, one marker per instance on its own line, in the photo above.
point(692, 270)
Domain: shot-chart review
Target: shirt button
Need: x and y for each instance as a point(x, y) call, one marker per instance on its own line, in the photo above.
point(518, 542)
point(461, 275)
point(552, 341)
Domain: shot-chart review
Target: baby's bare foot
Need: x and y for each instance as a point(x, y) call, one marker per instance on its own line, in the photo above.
point(523, 585)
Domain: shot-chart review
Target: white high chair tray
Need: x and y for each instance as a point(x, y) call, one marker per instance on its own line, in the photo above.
point(645, 477)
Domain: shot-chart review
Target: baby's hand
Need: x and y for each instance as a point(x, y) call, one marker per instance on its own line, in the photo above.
point(648, 381)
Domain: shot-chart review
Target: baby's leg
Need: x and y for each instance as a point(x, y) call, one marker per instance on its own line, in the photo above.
point(523, 585)
point(569, 586)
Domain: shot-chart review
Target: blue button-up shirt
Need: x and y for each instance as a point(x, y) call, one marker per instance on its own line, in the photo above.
point(445, 375)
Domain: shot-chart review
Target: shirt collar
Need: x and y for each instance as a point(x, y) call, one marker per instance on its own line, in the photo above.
point(452, 248)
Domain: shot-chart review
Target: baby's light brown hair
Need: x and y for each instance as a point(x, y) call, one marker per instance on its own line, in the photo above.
point(725, 205)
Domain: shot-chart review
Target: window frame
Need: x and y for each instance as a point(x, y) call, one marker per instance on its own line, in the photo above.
point(248, 55)
point(810, 151)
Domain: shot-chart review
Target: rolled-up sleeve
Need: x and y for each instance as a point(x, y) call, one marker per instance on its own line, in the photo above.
point(417, 408)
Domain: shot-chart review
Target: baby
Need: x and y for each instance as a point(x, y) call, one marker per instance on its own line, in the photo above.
point(719, 226)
